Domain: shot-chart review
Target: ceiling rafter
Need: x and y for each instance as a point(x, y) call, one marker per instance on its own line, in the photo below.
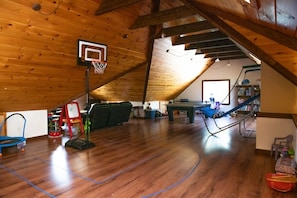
point(241, 40)
point(152, 31)
point(211, 36)
point(187, 28)
point(225, 54)
point(162, 16)
point(110, 5)
point(168, 15)
point(220, 50)
point(230, 57)
point(210, 45)
point(276, 36)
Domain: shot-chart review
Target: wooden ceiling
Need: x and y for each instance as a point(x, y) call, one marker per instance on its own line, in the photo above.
point(156, 48)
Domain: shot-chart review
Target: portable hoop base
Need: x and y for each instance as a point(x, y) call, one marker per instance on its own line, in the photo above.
point(79, 144)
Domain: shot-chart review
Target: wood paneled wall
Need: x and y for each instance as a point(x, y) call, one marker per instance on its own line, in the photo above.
point(38, 68)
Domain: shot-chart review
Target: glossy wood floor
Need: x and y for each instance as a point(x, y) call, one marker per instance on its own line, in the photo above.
point(142, 158)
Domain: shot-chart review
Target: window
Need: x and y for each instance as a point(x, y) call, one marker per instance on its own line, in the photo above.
point(219, 89)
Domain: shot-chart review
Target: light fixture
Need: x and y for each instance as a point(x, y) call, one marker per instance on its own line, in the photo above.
point(228, 64)
point(36, 6)
point(217, 59)
point(198, 51)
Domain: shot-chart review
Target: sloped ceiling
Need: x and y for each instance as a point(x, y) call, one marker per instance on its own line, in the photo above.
point(156, 49)
point(217, 29)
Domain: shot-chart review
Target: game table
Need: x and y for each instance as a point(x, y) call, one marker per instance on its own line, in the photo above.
point(190, 107)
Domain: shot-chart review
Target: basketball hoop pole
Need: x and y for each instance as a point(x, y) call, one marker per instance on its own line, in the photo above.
point(78, 143)
point(101, 68)
point(90, 54)
point(87, 121)
point(87, 81)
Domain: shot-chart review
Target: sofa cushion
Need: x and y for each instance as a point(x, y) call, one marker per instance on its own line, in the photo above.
point(99, 115)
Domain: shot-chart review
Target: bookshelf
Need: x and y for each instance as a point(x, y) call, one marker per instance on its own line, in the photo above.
point(243, 93)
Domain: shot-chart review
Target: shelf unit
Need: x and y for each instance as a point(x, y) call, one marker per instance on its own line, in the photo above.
point(243, 93)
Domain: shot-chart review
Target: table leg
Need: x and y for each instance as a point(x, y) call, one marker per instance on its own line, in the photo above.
point(170, 114)
point(191, 115)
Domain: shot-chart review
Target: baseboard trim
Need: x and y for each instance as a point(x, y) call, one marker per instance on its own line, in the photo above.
point(262, 152)
point(274, 115)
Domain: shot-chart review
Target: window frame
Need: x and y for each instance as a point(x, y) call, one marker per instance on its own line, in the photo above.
point(214, 83)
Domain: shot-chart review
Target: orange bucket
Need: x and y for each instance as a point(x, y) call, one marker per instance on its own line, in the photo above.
point(281, 182)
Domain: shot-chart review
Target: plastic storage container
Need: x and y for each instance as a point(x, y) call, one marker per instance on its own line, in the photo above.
point(150, 114)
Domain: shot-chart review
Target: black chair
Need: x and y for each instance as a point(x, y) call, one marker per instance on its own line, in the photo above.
point(99, 115)
point(114, 114)
point(125, 111)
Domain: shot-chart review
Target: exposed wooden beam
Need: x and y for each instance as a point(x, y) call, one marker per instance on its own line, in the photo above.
point(224, 54)
point(162, 16)
point(221, 50)
point(209, 45)
point(110, 5)
point(152, 31)
point(232, 57)
point(212, 18)
point(187, 28)
point(276, 36)
point(212, 36)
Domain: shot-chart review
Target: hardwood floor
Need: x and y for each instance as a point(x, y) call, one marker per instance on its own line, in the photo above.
point(142, 158)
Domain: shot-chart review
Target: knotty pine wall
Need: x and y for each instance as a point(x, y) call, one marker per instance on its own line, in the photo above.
point(38, 68)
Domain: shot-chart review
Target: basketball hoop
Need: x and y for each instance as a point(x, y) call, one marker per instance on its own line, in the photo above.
point(99, 66)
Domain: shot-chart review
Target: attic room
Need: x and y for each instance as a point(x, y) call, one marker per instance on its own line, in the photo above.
point(157, 52)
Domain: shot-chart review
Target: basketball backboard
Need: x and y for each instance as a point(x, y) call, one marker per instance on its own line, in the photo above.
point(89, 51)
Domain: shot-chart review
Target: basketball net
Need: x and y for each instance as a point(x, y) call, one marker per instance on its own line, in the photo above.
point(99, 66)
